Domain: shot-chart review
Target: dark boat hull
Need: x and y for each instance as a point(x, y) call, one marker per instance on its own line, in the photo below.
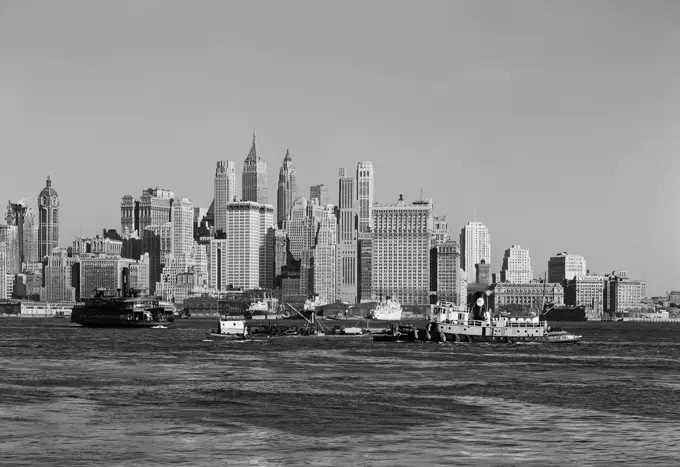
point(111, 319)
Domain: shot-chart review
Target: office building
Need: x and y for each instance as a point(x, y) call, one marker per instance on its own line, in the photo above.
point(324, 259)
point(448, 273)
point(320, 193)
point(364, 203)
point(475, 246)
point(565, 266)
point(346, 251)
point(585, 291)
point(57, 276)
point(225, 192)
point(516, 265)
point(23, 217)
point(153, 208)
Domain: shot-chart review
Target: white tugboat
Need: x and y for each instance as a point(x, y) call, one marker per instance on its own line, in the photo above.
point(388, 310)
point(230, 328)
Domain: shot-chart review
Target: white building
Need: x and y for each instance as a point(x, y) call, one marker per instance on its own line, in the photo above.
point(324, 260)
point(475, 246)
point(225, 192)
point(3, 270)
point(516, 265)
point(565, 266)
point(440, 231)
point(58, 284)
point(249, 261)
point(401, 251)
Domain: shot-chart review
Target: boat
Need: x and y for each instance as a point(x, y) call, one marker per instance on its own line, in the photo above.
point(230, 328)
point(453, 324)
point(122, 312)
point(312, 304)
point(264, 308)
point(388, 310)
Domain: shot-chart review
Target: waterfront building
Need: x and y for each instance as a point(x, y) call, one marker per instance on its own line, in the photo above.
point(530, 296)
point(347, 238)
point(586, 291)
point(48, 215)
point(324, 259)
point(287, 191)
point(320, 193)
point(517, 265)
point(97, 245)
point(21, 216)
point(674, 296)
point(475, 246)
point(565, 266)
point(254, 177)
point(225, 192)
point(58, 279)
point(102, 272)
point(402, 235)
point(364, 198)
point(249, 261)
point(34, 279)
point(153, 208)
point(9, 235)
point(622, 294)
point(440, 231)
point(448, 272)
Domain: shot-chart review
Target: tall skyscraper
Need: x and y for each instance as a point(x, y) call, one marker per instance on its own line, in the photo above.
point(218, 264)
point(249, 261)
point(48, 212)
point(402, 235)
point(324, 259)
point(516, 265)
point(9, 234)
point(565, 266)
point(475, 246)
point(319, 193)
point(182, 228)
point(3, 270)
point(365, 197)
point(153, 208)
point(225, 192)
point(287, 192)
point(254, 177)
point(347, 238)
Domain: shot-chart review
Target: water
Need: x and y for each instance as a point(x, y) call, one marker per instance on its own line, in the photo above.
point(75, 396)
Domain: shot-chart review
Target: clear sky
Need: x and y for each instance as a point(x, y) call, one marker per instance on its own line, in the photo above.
point(559, 122)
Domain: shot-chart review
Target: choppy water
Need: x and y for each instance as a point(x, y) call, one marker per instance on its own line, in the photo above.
point(74, 396)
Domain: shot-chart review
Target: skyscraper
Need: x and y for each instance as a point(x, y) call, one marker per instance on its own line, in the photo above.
point(347, 238)
point(9, 234)
point(225, 192)
point(153, 208)
point(401, 251)
point(365, 197)
point(48, 228)
point(565, 266)
point(58, 284)
point(182, 228)
point(319, 193)
point(254, 177)
point(516, 265)
point(287, 192)
point(21, 216)
point(324, 259)
point(475, 246)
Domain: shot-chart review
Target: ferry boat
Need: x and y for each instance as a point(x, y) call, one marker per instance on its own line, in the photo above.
point(388, 310)
point(122, 312)
point(230, 328)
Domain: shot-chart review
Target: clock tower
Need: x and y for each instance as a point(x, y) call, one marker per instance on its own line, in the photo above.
point(48, 228)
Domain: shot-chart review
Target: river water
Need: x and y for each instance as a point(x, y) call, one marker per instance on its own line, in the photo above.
point(73, 396)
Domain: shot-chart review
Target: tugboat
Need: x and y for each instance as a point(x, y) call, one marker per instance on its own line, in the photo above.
point(230, 328)
point(121, 312)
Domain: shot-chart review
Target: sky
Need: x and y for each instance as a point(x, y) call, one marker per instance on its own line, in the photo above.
point(557, 123)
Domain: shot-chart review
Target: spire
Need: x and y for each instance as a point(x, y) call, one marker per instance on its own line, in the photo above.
point(287, 158)
point(253, 149)
point(49, 182)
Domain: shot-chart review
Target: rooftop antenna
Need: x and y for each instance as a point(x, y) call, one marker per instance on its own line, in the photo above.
point(421, 193)
point(474, 215)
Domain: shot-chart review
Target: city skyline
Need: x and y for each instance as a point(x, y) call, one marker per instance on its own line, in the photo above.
point(566, 151)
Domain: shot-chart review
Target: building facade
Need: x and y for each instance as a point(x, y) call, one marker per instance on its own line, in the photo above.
point(287, 190)
point(218, 264)
point(225, 192)
point(182, 227)
point(48, 220)
point(23, 217)
point(440, 231)
point(249, 261)
point(530, 296)
point(152, 208)
point(97, 245)
point(517, 265)
point(565, 266)
point(102, 273)
point(448, 272)
point(58, 278)
point(365, 191)
point(254, 177)
point(402, 235)
point(475, 246)
point(324, 260)
point(586, 291)
point(9, 235)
